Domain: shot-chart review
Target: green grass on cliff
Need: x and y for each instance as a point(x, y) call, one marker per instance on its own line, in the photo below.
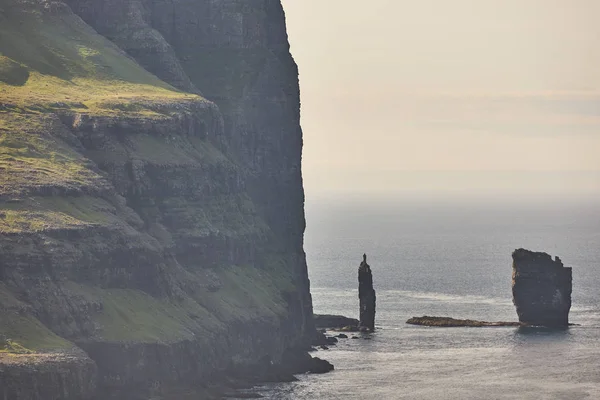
point(40, 214)
point(247, 293)
point(131, 315)
point(176, 150)
point(164, 150)
point(230, 215)
point(52, 60)
point(52, 63)
point(33, 155)
point(24, 334)
point(20, 332)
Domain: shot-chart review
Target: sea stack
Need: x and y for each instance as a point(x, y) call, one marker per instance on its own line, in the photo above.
point(541, 289)
point(366, 294)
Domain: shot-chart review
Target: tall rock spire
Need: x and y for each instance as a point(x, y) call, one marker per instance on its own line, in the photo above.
point(366, 295)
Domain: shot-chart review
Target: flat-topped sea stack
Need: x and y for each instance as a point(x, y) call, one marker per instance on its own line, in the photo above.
point(366, 295)
point(541, 289)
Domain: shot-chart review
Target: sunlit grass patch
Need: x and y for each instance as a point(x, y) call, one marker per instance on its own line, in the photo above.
point(33, 156)
point(54, 60)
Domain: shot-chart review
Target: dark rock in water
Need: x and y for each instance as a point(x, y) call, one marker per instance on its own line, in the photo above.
point(321, 339)
point(447, 322)
point(298, 362)
point(320, 366)
point(324, 347)
point(541, 289)
point(366, 294)
point(342, 336)
point(334, 321)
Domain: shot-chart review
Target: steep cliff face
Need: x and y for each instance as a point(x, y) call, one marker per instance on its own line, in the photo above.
point(154, 229)
point(237, 53)
point(541, 289)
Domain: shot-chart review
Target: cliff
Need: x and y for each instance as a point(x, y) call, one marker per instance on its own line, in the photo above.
point(541, 289)
point(151, 200)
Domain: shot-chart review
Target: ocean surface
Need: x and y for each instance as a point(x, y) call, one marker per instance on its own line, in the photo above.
point(450, 259)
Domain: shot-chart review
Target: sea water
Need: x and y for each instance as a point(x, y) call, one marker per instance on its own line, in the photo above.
point(445, 259)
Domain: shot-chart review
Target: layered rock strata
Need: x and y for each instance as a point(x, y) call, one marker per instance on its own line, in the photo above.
point(541, 289)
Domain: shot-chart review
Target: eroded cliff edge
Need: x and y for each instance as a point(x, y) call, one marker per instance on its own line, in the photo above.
point(151, 217)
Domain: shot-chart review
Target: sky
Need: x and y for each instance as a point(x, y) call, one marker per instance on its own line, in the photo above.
point(449, 98)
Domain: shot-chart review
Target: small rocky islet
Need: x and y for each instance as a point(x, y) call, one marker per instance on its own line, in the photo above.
point(449, 322)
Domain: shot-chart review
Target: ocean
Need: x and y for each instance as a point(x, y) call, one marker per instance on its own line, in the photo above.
point(450, 259)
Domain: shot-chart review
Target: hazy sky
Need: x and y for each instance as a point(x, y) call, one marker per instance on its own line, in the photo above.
point(437, 96)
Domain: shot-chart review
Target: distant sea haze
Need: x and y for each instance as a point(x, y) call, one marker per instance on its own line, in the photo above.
point(451, 260)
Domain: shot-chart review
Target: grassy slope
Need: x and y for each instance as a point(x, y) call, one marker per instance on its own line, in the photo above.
point(22, 333)
point(51, 62)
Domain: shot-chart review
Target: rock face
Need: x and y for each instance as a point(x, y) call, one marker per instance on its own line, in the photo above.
point(366, 295)
point(541, 289)
point(237, 54)
point(152, 235)
point(30, 377)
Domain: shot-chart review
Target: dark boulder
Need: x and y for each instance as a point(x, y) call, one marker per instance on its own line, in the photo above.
point(541, 289)
point(334, 321)
point(298, 362)
point(320, 339)
point(319, 366)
